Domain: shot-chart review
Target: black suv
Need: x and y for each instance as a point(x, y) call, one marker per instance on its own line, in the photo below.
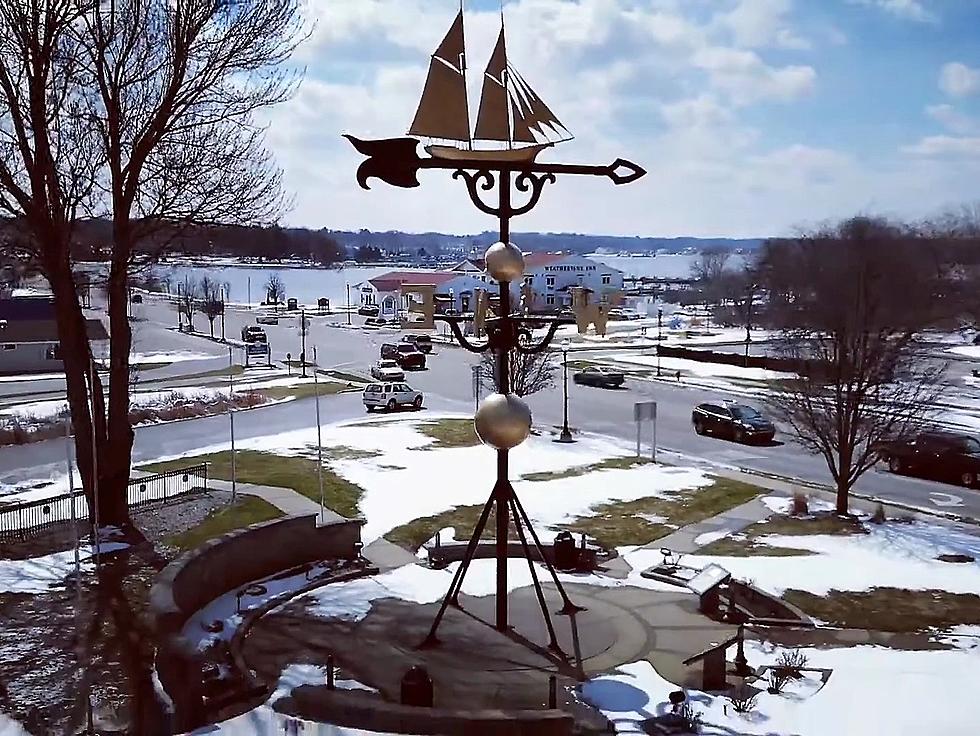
point(735, 421)
point(945, 456)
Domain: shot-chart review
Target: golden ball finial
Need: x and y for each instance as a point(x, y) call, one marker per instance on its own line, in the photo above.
point(503, 421)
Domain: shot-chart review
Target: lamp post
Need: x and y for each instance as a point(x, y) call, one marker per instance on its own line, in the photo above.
point(223, 314)
point(348, 304)
point(302, 332)
point(566, 433)
point(660, 336)
point(749, 299)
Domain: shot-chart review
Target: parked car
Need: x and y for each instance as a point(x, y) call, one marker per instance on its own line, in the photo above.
point(375, 322)
point(369, 310)
point(137, 299)
point(267, 319)
point(422, 342)
point(601, 377)
point(945, 456)
point(736, 421)
point(390, 396)
point(387, 370)
point(410, 357)
point(252, 333)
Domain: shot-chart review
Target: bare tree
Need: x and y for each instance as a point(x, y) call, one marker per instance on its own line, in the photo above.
point(212, 303)
point(529, 373)
point(857, 303)
point(275, 289)
point(710, 264)
point(188, 300)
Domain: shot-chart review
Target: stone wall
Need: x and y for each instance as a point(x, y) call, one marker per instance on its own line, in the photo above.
point(219, 566)
point(356, 710)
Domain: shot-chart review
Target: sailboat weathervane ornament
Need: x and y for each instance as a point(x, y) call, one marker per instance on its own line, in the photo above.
point(510, 111)
point(520, 125)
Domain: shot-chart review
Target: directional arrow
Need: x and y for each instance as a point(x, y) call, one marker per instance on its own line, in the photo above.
point(945, 499)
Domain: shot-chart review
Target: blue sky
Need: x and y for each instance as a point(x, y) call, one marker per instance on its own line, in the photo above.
point(753, 117)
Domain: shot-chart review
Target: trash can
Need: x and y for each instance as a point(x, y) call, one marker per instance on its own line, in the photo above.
point(291, 305)
point(566, 555)
point(417, 688)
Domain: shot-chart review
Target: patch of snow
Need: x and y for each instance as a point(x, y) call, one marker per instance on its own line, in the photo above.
point(784, 504)
point(229, 608)
point(893, 554)
point(41, 574)
point(708, 537)
point(265, 720)
point(970, 351)
point(871, 690)
point(178, 356)
point(10, 727)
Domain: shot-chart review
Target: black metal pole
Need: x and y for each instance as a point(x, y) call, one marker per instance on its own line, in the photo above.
point(348, 304)
point(302, 332)
point(503, 387)
point(566, 433)
point(748, 324)
point(660, 336)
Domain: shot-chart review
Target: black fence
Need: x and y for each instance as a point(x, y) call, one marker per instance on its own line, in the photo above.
point(812, 368)
point(19, 520)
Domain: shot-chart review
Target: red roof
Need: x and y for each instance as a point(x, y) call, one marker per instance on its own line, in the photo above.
point(533, 260)
point(393, 280)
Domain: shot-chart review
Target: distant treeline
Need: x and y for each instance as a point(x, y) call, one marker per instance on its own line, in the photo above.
point(331, 246)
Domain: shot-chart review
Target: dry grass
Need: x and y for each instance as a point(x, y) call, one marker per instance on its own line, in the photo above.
point(889, 609)
point(245, 511)
point(622, 522)
point(450, 433)
point(463, 519)
point(609, 463)
point(263, 468)
point(749, 543)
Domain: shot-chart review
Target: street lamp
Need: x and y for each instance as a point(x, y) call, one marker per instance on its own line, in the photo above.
point(660, 336)
point(566, 434)
point(749, 299)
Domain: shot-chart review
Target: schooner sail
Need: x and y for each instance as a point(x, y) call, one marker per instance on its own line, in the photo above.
point(510, 111)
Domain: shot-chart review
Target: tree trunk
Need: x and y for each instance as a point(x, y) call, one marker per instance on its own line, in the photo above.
point(114, 469)
point(843, 480)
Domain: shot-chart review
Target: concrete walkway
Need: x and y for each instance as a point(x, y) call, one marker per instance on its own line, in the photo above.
point(685, 539)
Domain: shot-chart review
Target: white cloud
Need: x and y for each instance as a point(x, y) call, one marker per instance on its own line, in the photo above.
point(912, 10)
point(746, 78)
point(762, 23)
point(959, 80)
point(946, 145)
point(661, 82)
point(953, 119)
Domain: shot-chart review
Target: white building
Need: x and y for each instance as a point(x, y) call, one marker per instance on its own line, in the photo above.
point(453, 290)
point(552, 276)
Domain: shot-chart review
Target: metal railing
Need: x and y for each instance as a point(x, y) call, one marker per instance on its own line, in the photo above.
point(18, 520)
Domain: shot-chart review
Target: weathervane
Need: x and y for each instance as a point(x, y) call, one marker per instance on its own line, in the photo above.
point(510, 112)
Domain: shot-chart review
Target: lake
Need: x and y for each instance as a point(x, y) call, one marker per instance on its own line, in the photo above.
point(308, 284)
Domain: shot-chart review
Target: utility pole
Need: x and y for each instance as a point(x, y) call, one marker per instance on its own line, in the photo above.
point(319, 440)
point(223, 314)
point(660, 336)
point(249, 297)
point(348, 304)
point(231, 422)
point(302, 331)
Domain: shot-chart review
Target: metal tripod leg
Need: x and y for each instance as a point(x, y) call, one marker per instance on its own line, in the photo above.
point(553, 644)
point(568, 607)
point(457, 583)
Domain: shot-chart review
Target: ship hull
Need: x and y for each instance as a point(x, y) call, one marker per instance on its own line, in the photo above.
point(526, 154)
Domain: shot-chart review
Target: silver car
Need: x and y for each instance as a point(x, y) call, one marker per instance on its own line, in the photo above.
point(390, 396)
point(387, 370)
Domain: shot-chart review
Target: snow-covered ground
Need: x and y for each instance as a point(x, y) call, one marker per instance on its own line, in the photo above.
point(871, 690)
point(265, 720)
point(42, 411)
point(177, 356)
point(10, 727)
point(410, 479)
point(41, 574)
point(893, 554)
point(969, 351)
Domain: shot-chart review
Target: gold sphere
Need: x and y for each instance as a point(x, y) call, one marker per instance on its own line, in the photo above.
point(504, 261)
point(503, 421)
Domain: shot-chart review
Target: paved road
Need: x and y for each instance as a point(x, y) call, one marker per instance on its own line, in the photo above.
point(447, 385)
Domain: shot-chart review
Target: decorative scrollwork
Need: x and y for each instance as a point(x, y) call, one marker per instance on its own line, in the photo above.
point(529, 181)
point(484, 179)
point(541, 346)
point(461, 339)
